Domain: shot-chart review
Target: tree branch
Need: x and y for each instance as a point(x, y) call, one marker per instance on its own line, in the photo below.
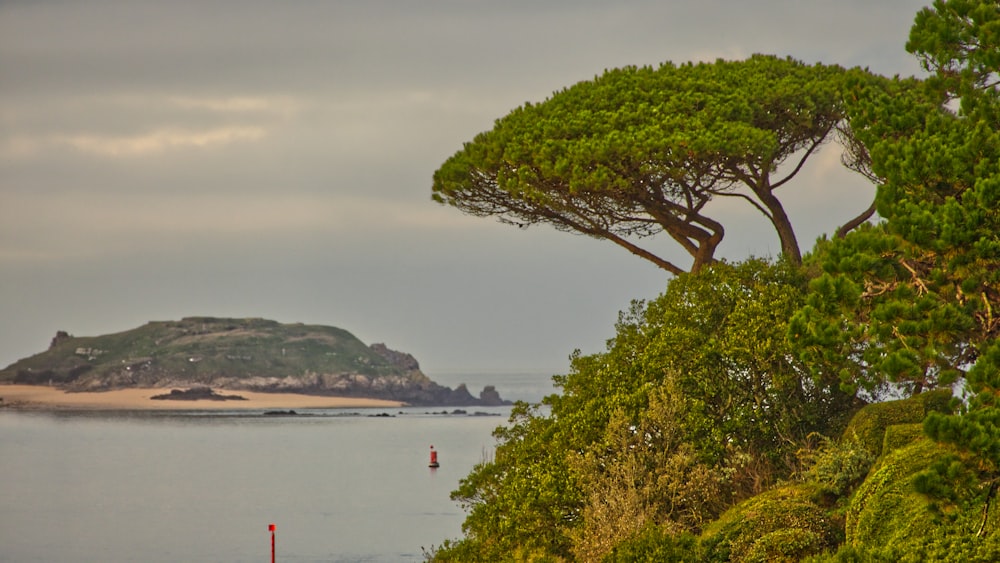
point(817, 141)
point(856, 222)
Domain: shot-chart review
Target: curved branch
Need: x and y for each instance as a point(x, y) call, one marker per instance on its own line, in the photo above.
point(598, 232)
point(750, 200)
point(856, 222)
point(817, 141)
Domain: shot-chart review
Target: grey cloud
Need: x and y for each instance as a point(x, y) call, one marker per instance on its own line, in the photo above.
point(258, 158)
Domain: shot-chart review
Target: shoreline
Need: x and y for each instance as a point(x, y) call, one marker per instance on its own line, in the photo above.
point(42, 397)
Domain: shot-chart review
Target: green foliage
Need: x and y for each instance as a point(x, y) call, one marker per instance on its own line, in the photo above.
point(469, 551)
point(977, 429)
point(942, 202)
point(901, 435)
point(912, 301)
point(712, 388)
point(878, 502)
point(938, 401)
point(783, 524)
point(847, 554)
point(721, 336)
point(655, 544)
point(523, 500)
point(696, 404)
point(925, 502)
point(644, 475)
point(959, 41)
point(876, 320)
point(837, 466)
point(464, 551)
point(869, 425)
point(641, 151)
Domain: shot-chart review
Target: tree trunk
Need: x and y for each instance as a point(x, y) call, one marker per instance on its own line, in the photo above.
point(782, 224)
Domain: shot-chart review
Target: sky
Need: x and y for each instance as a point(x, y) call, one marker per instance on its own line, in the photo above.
point(274, 159)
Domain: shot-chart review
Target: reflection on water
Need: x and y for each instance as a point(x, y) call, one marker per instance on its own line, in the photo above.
point(203, 486)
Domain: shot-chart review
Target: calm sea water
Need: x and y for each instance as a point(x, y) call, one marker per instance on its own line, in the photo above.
point(166, 487)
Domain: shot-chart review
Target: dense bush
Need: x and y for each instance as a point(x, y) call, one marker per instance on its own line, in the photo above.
point(925, 502)
point(644, 476)
point(901, 435)
point(869, 425)
point(836, 467)
point(783, 524)
point(655, 544)
point(697, 404)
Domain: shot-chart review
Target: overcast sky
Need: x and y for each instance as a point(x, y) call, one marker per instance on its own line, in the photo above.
point(274, 159)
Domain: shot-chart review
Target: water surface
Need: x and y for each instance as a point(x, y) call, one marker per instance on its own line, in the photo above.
point(152, 486)
point(203, 486)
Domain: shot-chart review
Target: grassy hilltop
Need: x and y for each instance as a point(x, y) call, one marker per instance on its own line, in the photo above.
point(252, 354)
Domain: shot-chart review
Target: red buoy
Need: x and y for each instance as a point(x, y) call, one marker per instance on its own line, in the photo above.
point(270, 528)
point(434, 459)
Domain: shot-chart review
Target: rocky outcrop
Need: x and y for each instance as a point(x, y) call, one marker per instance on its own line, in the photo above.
point(196, 394)
point(490, 397)
point(401, 360)
point(415, 390)
point(61, 336)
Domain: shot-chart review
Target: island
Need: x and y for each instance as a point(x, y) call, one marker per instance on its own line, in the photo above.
point(248, 357)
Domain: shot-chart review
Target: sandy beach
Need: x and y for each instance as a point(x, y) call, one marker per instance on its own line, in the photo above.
point(38, 397)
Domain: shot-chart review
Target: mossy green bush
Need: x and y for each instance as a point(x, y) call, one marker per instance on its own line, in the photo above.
point(847, 554)
point(783, 524)
point(655, 543)
point(901, 435)
point(877, 511)
point(466, 551)
point(868, 426)
point(937, 400)
point(924, 502)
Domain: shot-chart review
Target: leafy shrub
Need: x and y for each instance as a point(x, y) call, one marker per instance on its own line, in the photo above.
point(837, 466)
point(901, 435)
point(654, 544)
point(472, 551)
point(643, 475)
point(782, 524)
point(782, 546)
point(846, 554)
point(868, 426)
point(876, 511)
point(925, 502)
point(937, 400)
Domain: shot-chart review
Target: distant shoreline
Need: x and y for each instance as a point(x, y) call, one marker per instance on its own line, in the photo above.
point(42, 397)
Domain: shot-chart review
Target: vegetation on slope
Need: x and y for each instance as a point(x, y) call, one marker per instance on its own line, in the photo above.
point(727, 419)
point(199, 349)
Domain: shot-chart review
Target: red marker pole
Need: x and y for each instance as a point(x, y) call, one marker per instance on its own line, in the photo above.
point(270, 528)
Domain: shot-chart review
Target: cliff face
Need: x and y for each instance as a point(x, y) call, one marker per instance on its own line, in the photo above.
point(238, 354)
